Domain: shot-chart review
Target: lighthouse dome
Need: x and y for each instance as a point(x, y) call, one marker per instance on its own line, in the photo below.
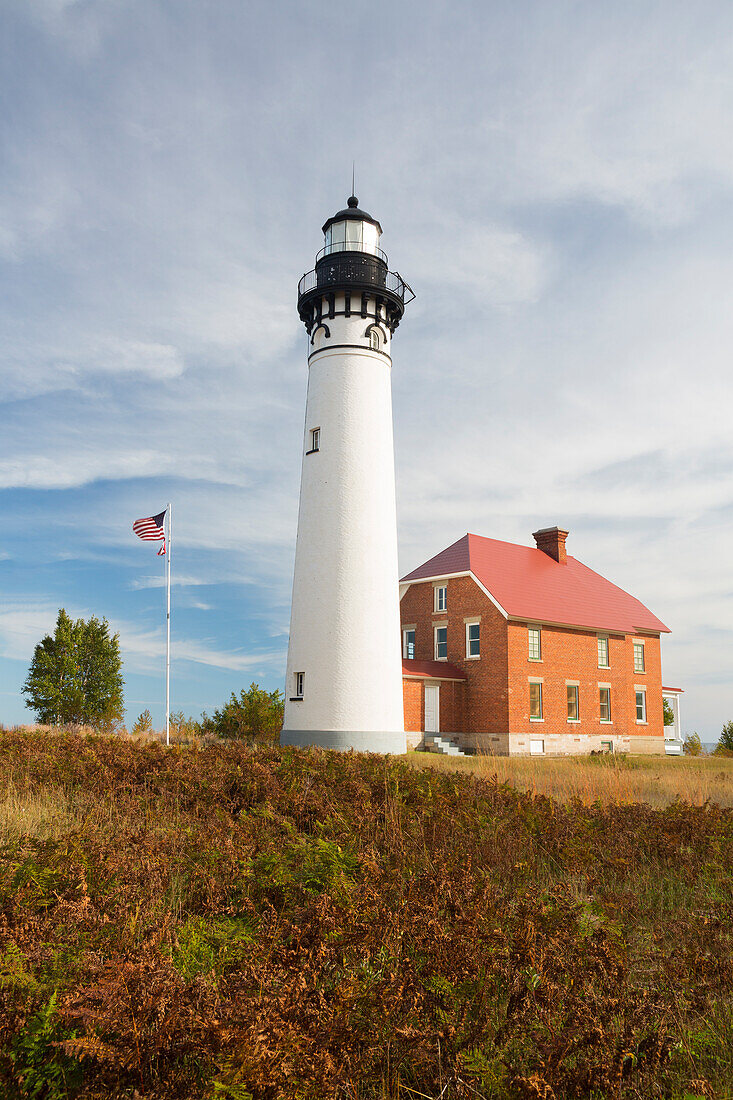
point(352, 230)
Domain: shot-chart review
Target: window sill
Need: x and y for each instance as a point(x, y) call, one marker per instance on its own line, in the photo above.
point(314, 451)
point(441, 658)
point(536, 719)
point(535, 660)
point(606, 721)
point(640, 723)
point(573, 721)
point(296, 698)
point(474, 657)
point(604, 666)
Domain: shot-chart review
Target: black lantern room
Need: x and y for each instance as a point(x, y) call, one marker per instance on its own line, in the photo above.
point(352, 264)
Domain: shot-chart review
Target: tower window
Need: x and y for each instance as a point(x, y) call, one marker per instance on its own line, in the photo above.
point(374, 339)
point(299, 684)
point(315, 440)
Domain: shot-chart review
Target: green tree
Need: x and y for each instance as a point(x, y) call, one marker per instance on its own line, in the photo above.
point(76, 674)
point(692, 745)
point(255, 715)
point(668, 712)
point(724, 746)
point(143, 725)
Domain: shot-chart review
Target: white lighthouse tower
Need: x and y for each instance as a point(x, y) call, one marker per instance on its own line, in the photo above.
point(344, 673)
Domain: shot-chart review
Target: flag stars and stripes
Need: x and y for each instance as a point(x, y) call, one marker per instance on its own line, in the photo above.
point(151, 529)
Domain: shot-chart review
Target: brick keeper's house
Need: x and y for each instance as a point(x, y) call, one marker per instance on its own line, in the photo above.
point(512, 649)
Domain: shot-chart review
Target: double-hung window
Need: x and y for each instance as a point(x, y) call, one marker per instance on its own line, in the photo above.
point(473, 640)
point(641, 706)
point(638, 657)
point(604, 702)
point(408, 644)
point(441, 597)
point(315, 440)
point(573, 703)
point(535, 701)
point(534, 636)
point(441, 643)
point(602, 651)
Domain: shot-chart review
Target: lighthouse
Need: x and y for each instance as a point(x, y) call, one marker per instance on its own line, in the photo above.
point(344, 670)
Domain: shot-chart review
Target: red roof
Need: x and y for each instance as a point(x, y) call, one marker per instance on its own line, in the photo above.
point(529, 584)
point(431, 670)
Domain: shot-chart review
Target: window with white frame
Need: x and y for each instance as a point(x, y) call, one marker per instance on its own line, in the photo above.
point(315, 440)
point(638, 657)
point(536, 747)
point(441, 643)
point(299, 684)
point(573, 703)
point(602, 651)
point(408, 644)
point(473, 640)
point(441, 597)
point(534, 636)
point(374, 339)
point(641, 706)
point(535, 701)
point(604, 703)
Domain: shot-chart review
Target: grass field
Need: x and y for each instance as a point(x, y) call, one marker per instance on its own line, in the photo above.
point(655, 780)
point(227, 923)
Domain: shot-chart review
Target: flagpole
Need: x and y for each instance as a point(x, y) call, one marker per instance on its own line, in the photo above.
point(168, 629)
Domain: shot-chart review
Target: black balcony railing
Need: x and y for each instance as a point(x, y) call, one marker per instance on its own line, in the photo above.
point(347, 273)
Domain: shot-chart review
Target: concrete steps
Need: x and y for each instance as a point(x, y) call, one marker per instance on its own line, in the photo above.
point(434, 742)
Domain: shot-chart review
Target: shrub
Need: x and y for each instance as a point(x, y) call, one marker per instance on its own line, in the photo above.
point(254, 715)
point(692, 745)
point(143, 725)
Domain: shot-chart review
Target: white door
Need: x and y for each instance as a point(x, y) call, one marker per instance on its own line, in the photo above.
point(432, 708)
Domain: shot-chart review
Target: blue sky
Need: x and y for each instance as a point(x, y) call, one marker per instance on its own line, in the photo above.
point(554, 180)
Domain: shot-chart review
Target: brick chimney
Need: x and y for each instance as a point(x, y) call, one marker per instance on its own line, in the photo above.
point(551, 541)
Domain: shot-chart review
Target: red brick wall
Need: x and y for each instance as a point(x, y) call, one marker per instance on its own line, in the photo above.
point(573, 655)
point(485, 694)
point(413, 700)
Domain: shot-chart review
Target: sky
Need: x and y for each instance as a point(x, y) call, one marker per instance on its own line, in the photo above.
point(554, 180)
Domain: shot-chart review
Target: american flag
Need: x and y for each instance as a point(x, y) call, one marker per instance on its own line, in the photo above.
point(151, 529)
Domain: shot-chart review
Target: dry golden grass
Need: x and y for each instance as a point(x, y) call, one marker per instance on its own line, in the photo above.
point(38, 814)
point(614, 780)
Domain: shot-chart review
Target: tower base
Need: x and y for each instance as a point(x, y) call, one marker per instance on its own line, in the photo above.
point(392, 744)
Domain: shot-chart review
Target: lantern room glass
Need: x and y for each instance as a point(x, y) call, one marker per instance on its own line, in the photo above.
point(352, 235)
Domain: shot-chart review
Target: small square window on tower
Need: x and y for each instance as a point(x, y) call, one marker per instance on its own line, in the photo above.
point(315, 440)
